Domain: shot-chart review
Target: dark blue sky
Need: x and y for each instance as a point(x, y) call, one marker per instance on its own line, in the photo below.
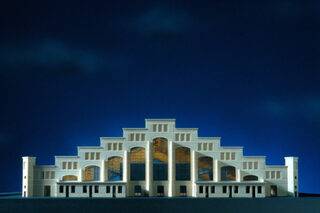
point(247, 71)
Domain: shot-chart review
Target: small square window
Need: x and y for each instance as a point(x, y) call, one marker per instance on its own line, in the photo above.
point(213, 189)
point(177, 137)
point(120, 146)
point(224, 189)
point(236, 189)
point(108, 189)
point(84, 189)
point(119, 189)
point(61, 189)
point(109, 146)
point(96, 189)
point(259, 189)
point(222, 156)
point(247, 189)
point(200, 189)
point(73, 189)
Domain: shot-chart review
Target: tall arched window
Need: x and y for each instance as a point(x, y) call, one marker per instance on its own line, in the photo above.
point(69, 178)
point(137, 163)
point(205, 168)
point(160, 159)
point(115, 168)
point(92, 173)
point(182, 163)
point(250, 178)
point(228, 173)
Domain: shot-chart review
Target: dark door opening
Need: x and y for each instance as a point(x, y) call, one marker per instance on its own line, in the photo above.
point(207, 191)
point(114, 191)
point(273, 191)
point(90, 191)
point(67, 191)
point(137, 191)
point(230, 191)
point(160, 191)
point(47, 191)
point(253, 191)
point(183, 191)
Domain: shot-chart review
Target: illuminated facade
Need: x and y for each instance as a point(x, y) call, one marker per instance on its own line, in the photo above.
point(160, 160)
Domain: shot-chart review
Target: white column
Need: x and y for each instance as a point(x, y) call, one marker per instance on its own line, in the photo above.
point(238, 175)
point(125, 166)
point(81, 175)
point(194, 172)
point(171, 168)
point(149, 173)
point(216, 171)
point(102, 171)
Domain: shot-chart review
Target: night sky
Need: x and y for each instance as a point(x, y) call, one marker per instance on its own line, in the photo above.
point(246, 71)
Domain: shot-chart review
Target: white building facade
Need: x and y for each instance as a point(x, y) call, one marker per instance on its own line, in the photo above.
point(160, 160)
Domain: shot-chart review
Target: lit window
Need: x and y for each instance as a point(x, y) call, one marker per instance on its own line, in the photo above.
point(255, 165)
point(210, 146)
point(143, 137)
point(137, 137)
point(69, 165)
point(233, 155)
point(244, 165)
point(278, 175)
point(177, 137)
point(64, 165)
point(92, 156)
point(205, 146)
point(165, 127)
point(115, 146)
point(250, 165)
point(222, 155)
point(97, 155)
point(154, 127)
point(75, 165)
point(109, 146)
point(227, 155)
point(86, 156)
point(199, 146)
point(120, 146)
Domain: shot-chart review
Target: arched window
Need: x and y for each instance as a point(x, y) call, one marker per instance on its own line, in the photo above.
point(69, 178)
point(137, 163)
point(250, 178)
point(160, 159)
point(205, 168)
point(182, 163)
point(92, 173)
point(228, 173)
point(115, 168)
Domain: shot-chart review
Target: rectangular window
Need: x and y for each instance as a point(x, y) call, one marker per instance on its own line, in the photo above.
point(187, 137)
point(42, 175)
point(91, 155)
point(278, 175)
point(222, 155)
point(250, 165)
point(143, 137)
point(108, 189)
point(47, 174)
point(213, 189)
point(177, 137)
point(64, 165)
point(86, 156)
point(224, 189)
point(69, 165)
point(227, 155)
point(131, 137)
point(52, 175)
point(160, 128)
point(119, 189)
point(259, 189)
point(272, 174)
point(247, 189)
point(244, 165)
point(109, 146)
point(267, 174)
point(165, 128)
point(73, 189)
point(120, 146)
point(154, 127)
point(115, 146)
point(200, 189)
point(255, 165)
point(84, 189)
point(75, 165)
point(182, 137)
point(97, 155)
point(96, 189)
point(61, 189)
point(236, 189)
point(210, 146)
point(233, 155)
point(137, 137)
point(205, 146)
point(199, 146)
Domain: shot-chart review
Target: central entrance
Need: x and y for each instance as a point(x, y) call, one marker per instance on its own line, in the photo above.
point(160, 159)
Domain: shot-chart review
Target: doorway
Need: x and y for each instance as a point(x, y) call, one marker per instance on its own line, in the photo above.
point(230, 191)
point(207, 191)
point(253, 191)
point(67, 191)
point(114, 191)
point(273, 191)
point(47, 191)
point(90, 191)
point(160, 191)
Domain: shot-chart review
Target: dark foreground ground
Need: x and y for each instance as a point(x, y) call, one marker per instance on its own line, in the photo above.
point(163, 205)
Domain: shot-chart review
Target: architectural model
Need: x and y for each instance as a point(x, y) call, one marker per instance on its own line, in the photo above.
point(160, 160)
